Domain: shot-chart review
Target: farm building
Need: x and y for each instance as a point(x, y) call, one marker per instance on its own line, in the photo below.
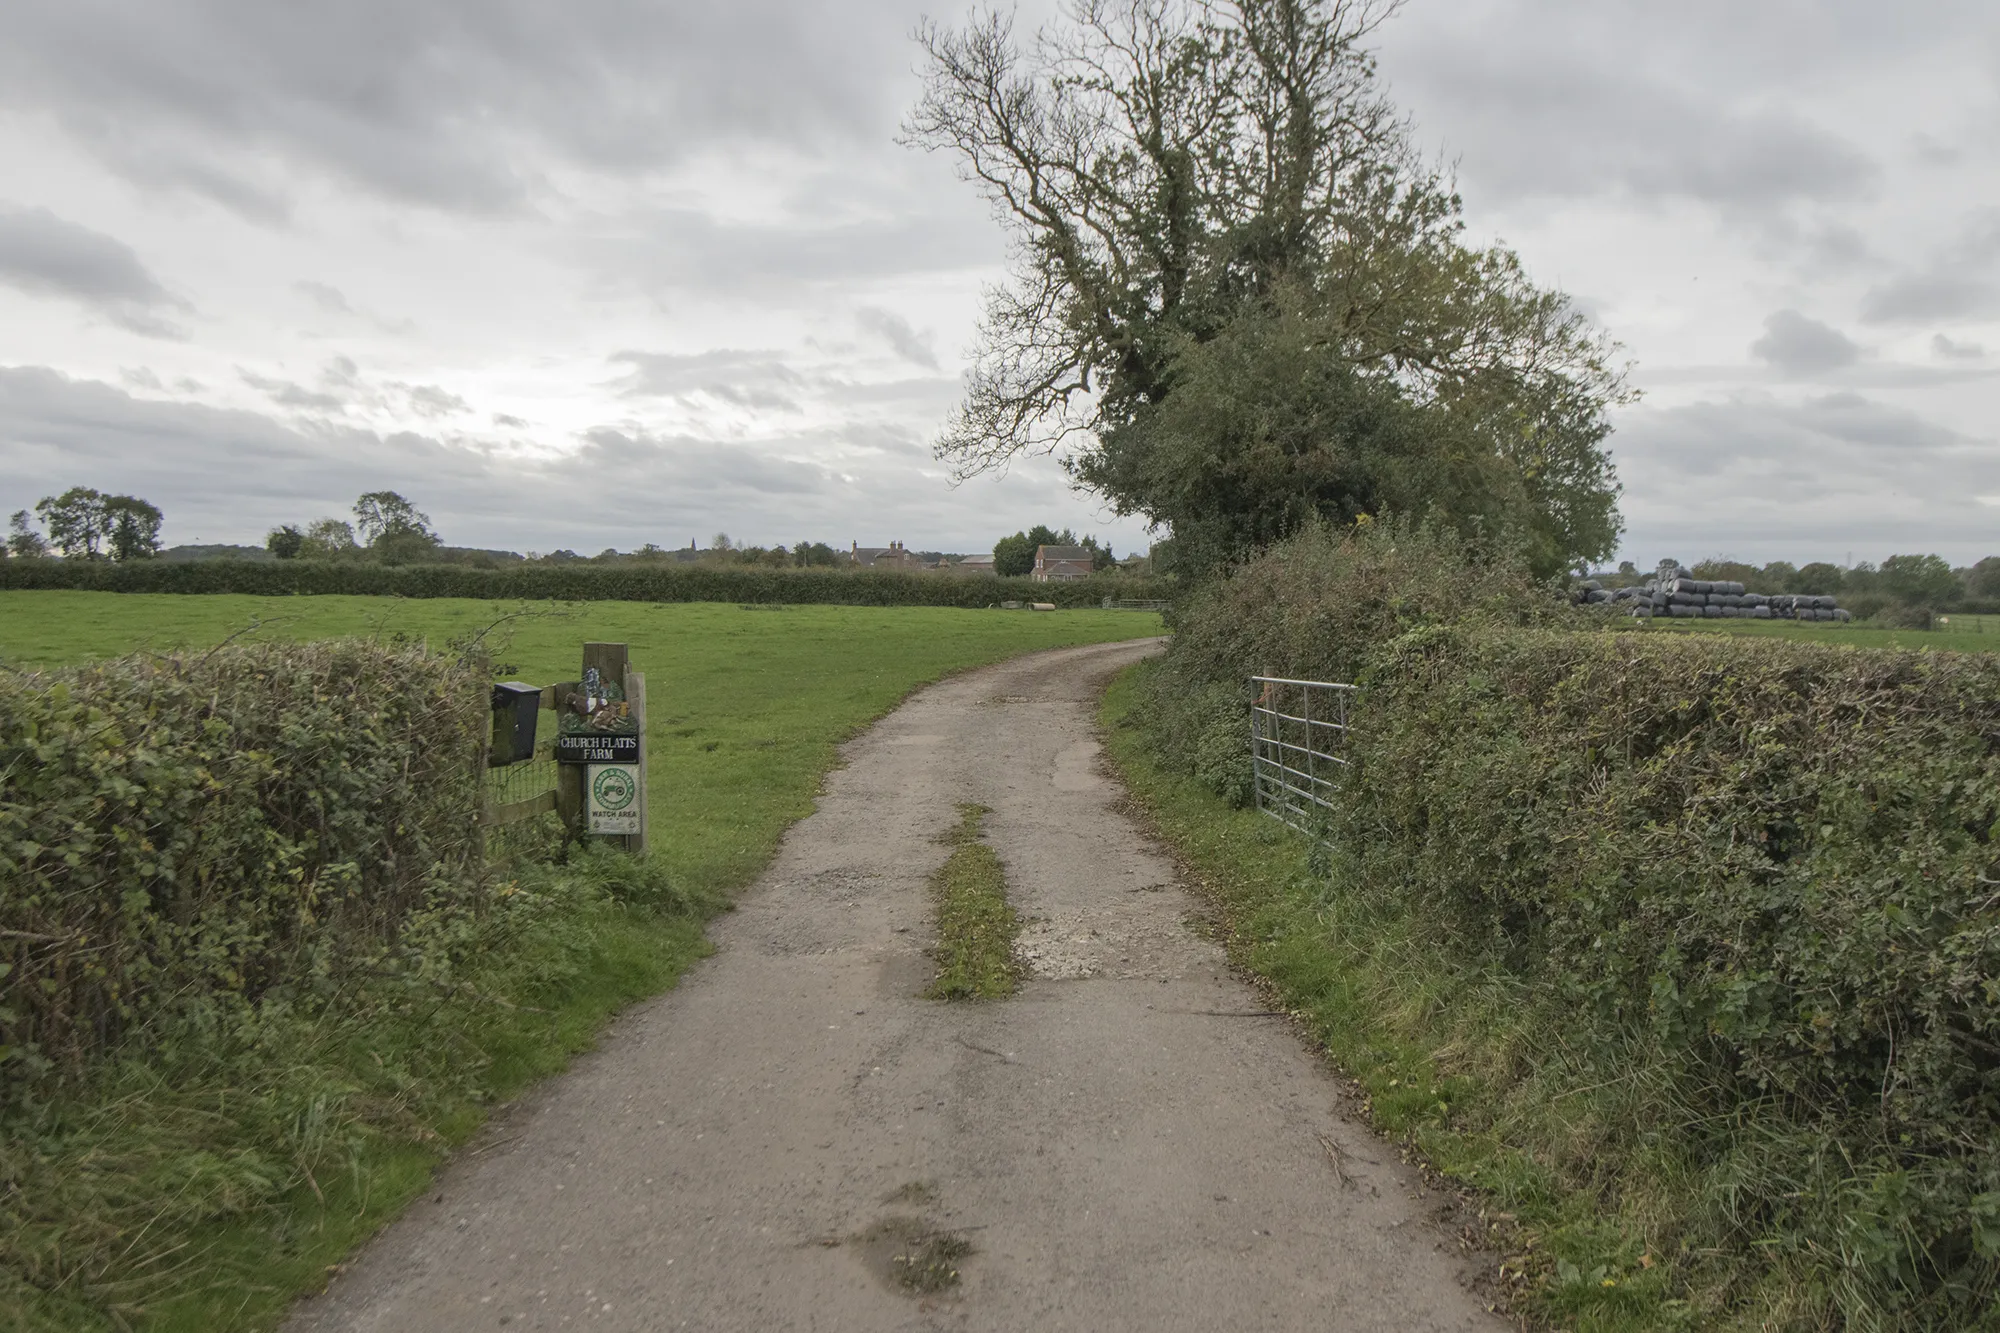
point(892, 556)
point(1060, 564)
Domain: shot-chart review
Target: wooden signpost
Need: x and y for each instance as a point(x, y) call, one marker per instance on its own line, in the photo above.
point(599, 749)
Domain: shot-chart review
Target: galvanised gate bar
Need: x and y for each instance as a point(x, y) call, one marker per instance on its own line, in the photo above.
point(1297, 730)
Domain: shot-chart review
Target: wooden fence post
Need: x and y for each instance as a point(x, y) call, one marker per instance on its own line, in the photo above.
point(635, 694)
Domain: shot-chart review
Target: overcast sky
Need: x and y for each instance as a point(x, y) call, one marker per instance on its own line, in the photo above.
point(616, 271)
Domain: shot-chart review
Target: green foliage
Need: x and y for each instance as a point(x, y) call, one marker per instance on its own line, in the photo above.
point(203, 1178)
point(76, 521)
point(1982, 581)
point(1270, 428)
point(1013, 557)
point(285, 542)
point(328, 539)
point(1180, 175)
point(134, 527)
point(1315, 606)
point(183, 829)
point(815, 555)
point(1764, 863)
point(1748, 877)
point(1919, 580)
point(580, 582)
point(23, 542)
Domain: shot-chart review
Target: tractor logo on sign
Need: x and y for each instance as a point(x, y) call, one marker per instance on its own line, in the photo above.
point(613, 789)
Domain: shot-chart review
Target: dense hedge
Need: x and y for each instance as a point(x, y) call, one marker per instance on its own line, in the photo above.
point(184, 830)
point(1763, 871)
point(623, 583)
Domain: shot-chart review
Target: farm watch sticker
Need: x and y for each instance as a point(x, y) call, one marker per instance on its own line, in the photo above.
point(612, 796)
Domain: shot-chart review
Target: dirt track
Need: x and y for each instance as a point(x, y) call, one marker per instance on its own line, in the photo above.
point(1121, 1147)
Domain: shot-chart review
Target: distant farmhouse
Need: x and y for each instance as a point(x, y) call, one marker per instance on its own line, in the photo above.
point(1060, 564)
point(892, 556)
point(975, 564)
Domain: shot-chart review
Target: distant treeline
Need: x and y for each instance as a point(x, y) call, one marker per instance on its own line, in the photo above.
point(580, 581)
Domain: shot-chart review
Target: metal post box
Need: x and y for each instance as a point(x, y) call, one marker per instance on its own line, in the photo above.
point(515, 709)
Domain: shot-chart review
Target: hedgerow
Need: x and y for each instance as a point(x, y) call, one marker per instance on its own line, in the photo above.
point(1750, 882)
point(625, 583)
point(185, 831)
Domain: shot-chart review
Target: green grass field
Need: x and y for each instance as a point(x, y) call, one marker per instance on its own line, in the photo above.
point(747, 703)
point(201, 1187)
point(1964, 634)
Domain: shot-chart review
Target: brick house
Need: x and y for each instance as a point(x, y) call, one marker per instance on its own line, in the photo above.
point(1060, 564)
point(892, 556)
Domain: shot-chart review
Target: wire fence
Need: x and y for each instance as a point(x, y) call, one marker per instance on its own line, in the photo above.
point(1298, 729)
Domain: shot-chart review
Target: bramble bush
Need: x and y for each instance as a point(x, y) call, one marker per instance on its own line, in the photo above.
point(566, 582)
point(1752, 879)
point(182, 829)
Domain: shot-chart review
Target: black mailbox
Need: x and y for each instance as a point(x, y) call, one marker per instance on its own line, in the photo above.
point(514, 713)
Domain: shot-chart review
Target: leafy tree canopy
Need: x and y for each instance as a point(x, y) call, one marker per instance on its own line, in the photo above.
point(134, 527)
point(85, 524)
point(285, 542)
point(23, 542)
point(1181, 172)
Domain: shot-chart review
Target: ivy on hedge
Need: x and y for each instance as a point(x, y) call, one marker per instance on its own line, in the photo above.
point(624, 583)
point(184, 830)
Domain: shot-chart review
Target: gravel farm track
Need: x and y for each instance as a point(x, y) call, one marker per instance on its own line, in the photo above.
point(1127, 1143)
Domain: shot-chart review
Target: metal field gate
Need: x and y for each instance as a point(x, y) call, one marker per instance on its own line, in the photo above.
point(1298, 729)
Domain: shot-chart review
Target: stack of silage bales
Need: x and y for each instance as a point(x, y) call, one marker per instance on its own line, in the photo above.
point(1675, 593)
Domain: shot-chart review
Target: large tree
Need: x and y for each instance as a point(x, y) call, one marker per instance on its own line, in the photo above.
point(77, 522)
point(1176, 171)
point(133, 527)
point(393, 529)
point(23, 542)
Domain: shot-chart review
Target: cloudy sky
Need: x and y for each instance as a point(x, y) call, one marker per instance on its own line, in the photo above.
point(617, 271)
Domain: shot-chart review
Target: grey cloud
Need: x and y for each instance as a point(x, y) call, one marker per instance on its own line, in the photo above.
point(1799, 346)
point(511, 422)
point(1954, 350)
point(142, 377)
point(45, 255)
point(327, 298)
point(285, 393)
point(1765, 479)
point(1954, 283)
point(745, 379)
point(1563, 122)
point(429, 400)
point(696, 465)
point(229, 475)
point(1920, 297)
point(450, 103)
point(685, 249)
point(896, 331)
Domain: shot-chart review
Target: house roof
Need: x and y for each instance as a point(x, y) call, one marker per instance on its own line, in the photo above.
point(977, 560)
point(1062, 553)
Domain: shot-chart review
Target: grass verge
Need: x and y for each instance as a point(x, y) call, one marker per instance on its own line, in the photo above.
point(204, 1186)
point(1439, 1060)
point(976, 925)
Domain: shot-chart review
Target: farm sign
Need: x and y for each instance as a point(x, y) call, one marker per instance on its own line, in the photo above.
point(583, 747)
point(611, 794)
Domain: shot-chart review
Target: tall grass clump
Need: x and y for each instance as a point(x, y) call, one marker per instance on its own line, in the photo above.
point(1700, 933)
